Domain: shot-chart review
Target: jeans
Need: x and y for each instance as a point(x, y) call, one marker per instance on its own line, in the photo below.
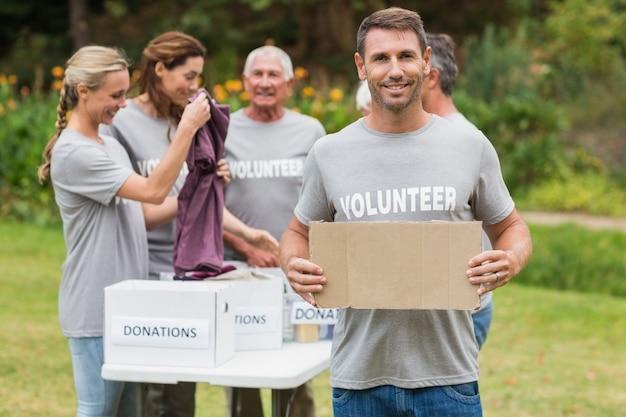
point(98, 397)
point(482, 322)
point(461, 400)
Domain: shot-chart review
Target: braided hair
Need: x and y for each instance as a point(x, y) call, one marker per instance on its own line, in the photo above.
point(88, 66)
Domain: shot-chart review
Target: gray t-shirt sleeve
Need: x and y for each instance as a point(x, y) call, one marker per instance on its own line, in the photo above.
point(313, 204)
point(91, 172)
point(320, 131)
point(492, 201)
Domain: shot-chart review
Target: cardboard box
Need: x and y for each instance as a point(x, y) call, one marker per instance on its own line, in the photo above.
point(396, 265)
point(176, 323)
point(259, 312)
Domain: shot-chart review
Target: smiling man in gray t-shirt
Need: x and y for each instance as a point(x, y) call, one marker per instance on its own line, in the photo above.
point(401, 163)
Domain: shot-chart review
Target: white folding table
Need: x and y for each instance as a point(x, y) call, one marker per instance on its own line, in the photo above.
point(278, 370)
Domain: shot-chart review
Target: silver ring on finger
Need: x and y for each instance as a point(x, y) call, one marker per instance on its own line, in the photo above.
point(498, 276)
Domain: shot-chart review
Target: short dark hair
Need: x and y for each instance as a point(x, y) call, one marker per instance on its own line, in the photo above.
point(393, 18)
point(442, 57)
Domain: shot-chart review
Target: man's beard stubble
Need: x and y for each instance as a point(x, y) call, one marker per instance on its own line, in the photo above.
point(397, 108)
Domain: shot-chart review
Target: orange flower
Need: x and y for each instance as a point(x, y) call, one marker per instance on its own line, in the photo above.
point(233, 86)
point(11, 104)
point(12, 79)
point(219, 93)
point(244, 96)
point(134, 76)
point(57, 71)
point(300, 73)
point(335, 95)
point(57, 85)
point(308, 91)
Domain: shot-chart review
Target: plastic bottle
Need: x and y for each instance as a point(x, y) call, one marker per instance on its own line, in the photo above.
point(326, 331)
point(288, 300)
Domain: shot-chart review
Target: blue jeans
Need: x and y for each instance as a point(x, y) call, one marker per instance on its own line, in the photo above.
point(482, 322)
point(98, 397)
point(388, 401)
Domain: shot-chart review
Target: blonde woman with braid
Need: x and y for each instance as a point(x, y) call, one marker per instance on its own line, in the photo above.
point(98, 195)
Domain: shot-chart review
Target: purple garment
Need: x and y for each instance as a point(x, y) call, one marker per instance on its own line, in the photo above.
point(199, 247)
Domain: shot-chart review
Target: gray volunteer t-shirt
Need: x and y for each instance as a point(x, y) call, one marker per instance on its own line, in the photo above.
point(461, 120)
point(105, 236)
point(463, 123)
point(439, 172)
point(266, 162)
point(149, 138)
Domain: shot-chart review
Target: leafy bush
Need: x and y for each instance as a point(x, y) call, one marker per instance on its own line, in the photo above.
point(525, 132)
point(570, 257)
point(26, 124)
point(589, 193)
point(586, 40)
point(499, 65)
point(584, 44)
point(501, 92)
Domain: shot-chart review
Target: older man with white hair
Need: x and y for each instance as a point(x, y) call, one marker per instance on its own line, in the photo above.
point(266, 147)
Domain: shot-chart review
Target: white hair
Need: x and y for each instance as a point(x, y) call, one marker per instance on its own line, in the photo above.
point(269, 50)
point(363, 96)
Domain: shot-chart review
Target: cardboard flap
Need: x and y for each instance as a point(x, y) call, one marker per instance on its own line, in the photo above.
point(327, 248)
point(396, 265)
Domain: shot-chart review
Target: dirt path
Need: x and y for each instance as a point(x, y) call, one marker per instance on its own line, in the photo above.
point(592, 222)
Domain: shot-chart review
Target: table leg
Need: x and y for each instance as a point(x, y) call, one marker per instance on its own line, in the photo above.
point(277, 395)
point(233, 401)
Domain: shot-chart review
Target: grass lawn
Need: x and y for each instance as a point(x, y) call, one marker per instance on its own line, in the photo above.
point(550, 353)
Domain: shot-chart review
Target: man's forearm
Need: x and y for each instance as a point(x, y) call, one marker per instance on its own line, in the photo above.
point(511, 235)
point(238, 244)
point(517, 241)
point(293, 244)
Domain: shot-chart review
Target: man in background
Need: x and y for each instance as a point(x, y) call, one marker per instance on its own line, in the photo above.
point(266, 147)
point(437, 99)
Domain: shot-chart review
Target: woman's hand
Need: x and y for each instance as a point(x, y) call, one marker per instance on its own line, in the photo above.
point(223, 171)
point(196, 114)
